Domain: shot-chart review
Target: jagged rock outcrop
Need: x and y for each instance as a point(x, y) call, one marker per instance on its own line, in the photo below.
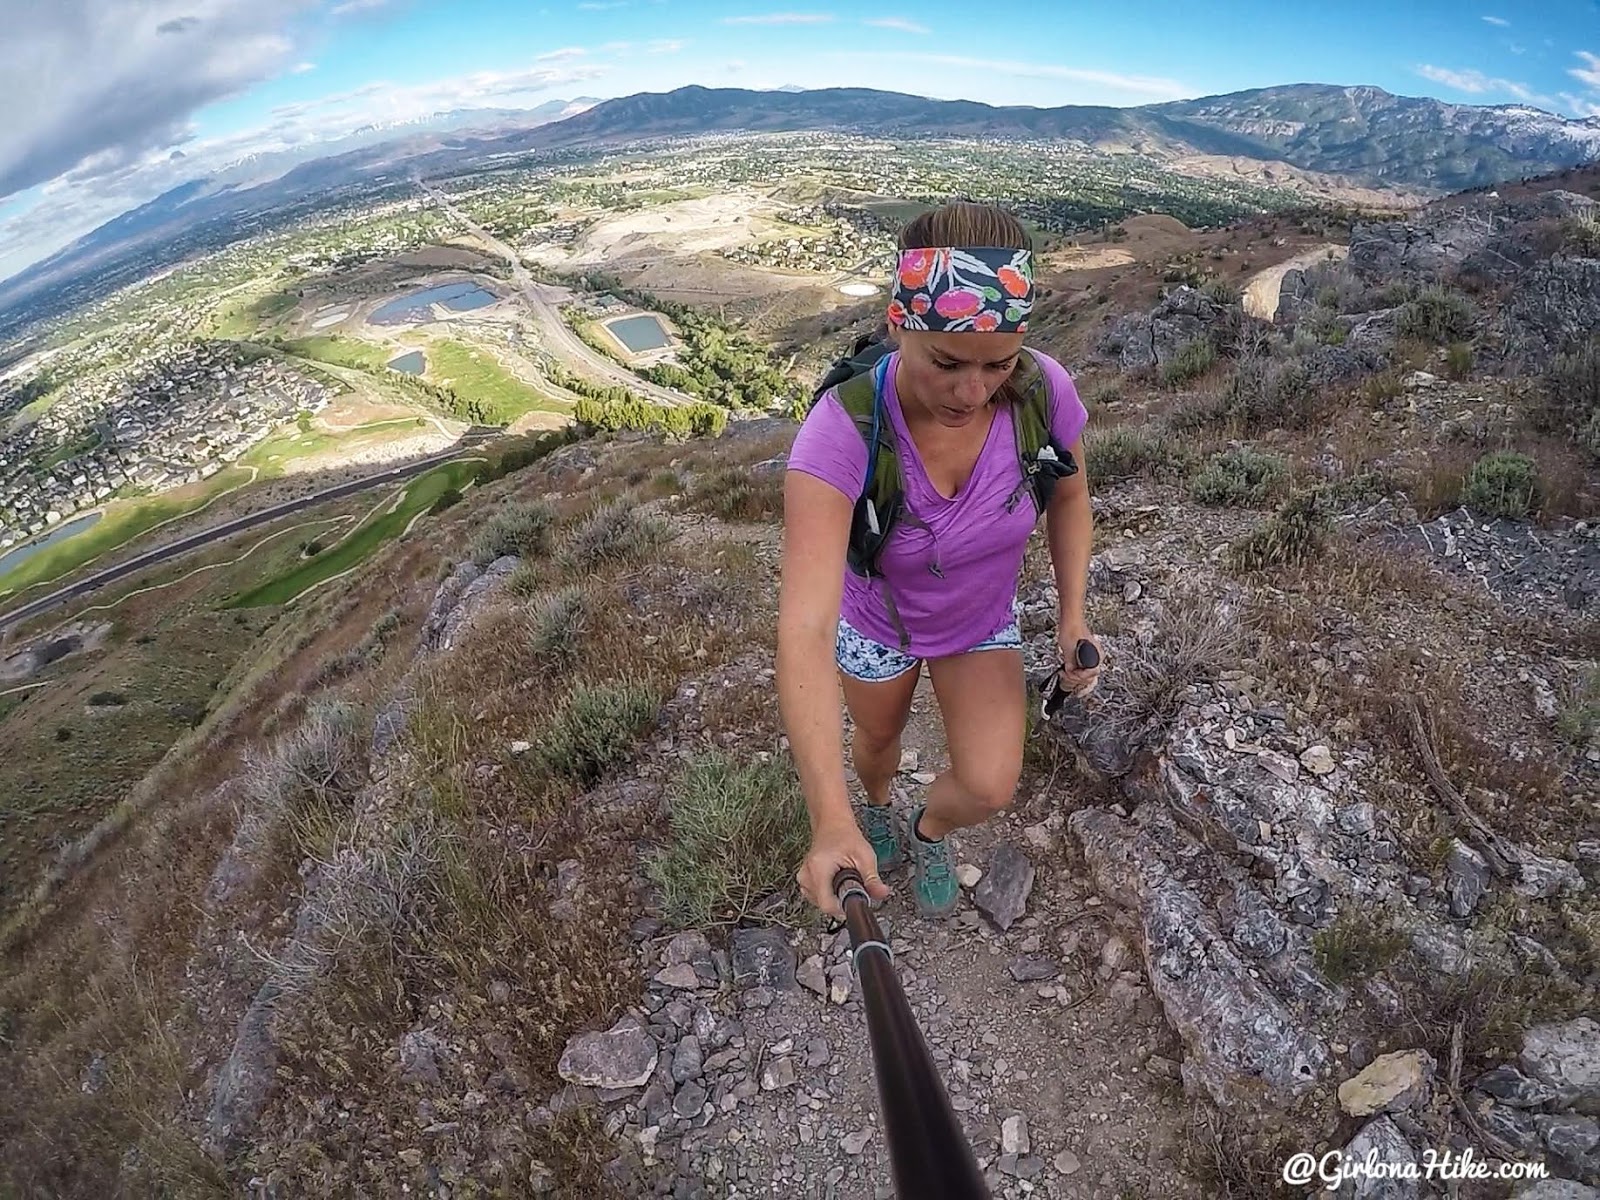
point(460, 598)
point(1554, 308)
point(1482, 235)
point(1245, 842)
point(1150, 339)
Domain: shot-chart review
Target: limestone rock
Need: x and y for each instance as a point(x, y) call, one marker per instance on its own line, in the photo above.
point(624, 1056)
point(1382, 1138)
point(763, 958)
point(1002, 894)
point(1390, 1083)
point(1510, 1086)
point(1014, 1135)
point(1317, 759)
point(1240, 1036)
point(1466, 878)
point(1556, 1189)
point(1566, 1056)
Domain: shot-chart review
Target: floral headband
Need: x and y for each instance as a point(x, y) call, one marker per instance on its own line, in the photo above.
point(982, 289)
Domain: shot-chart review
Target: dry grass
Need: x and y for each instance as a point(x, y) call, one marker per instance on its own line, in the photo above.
point(733, 494)
point(1196, 638)
point(1294, 535)
point(1232, 1161)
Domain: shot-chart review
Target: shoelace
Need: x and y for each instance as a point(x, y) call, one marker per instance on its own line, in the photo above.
point(936, 861)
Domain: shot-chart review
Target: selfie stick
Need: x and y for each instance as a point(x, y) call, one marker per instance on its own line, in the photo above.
point(928, 1150)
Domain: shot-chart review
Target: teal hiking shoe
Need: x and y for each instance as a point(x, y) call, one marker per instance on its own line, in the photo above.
point(933, 880)
point(882, 827)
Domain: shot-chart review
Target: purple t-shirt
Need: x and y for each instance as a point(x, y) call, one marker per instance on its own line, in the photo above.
point(976, 544)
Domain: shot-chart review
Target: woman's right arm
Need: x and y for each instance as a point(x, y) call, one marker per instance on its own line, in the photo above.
point(816, 531)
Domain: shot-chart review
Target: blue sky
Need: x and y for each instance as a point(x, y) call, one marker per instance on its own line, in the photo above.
point(127, 100)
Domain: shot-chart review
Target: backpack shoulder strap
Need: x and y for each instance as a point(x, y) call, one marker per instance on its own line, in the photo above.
point(1043, 462)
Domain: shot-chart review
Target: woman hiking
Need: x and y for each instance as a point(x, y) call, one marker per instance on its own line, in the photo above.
point(949, 403)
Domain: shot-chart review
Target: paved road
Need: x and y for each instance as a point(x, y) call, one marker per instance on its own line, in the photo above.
point(567, 345)
point(160, 554)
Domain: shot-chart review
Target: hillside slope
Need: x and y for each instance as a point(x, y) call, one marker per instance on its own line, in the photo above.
point(506, 902)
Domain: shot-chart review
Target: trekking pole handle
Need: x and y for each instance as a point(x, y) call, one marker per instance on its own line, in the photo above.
point(1087, 655)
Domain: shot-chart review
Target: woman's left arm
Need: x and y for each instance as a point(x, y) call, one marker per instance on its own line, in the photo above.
point(1069, 530)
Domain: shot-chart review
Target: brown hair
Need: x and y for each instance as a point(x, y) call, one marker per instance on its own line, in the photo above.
point(963, 223)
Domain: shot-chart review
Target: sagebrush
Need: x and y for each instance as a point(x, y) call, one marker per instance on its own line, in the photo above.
point(736, 834)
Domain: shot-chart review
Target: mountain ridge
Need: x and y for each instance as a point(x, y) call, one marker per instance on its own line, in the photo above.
point(1365, 133)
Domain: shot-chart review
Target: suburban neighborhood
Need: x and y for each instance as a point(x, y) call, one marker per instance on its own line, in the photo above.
point(179, 419)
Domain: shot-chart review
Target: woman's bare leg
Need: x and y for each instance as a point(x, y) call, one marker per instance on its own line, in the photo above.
point(982, 700)
point(879, 712)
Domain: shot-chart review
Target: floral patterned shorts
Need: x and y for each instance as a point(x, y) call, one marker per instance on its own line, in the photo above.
point(862, 658)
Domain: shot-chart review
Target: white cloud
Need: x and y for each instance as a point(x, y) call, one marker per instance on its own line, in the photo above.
point(780, 19)
point(114, 180)
point(565, 52)
point(1138, 85)
point(302, 68)
point(353, 6)
point(1476, 83)
point(1583, 106)
point(897, 23)
point(1501, 21)
point(666, 46)
point(106, 81)
point(1589, 73)
point(602, 5)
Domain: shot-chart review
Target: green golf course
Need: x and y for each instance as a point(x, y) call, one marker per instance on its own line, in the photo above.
point(388, 520)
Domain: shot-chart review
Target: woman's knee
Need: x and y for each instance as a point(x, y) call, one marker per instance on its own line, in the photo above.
point(879, 737)
point(993, 787)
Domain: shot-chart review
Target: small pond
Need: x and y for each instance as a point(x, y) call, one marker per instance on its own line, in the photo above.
point(18, 555)
point(639, 333)
point(416, 306)
point(410, 364)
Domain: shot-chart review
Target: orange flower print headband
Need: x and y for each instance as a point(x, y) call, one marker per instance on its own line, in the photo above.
point(948, 289)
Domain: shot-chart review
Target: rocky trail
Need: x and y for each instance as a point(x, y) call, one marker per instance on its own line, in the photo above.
point(1034, 1007)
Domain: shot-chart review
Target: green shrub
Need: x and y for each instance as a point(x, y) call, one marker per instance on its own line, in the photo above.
point(107, 700)
point(1502, 484)
point(1221, 291)
point(1581, 235)
point(1265, 395)
point(1437, 315)
point(611, 413)
point(1193, 359)
point(1458, 360)
point(595, 729)
point(736, 834)
point(1240, 477)
point(615, 532)
point(1393, 295)
point(527, 579)
point(556, 626)
point(1572, 389)
point(1355, 947)
point(1125, 451)
point(448, 498)
point(1579, 714)
point(523, 528)
point(1207, 410)
point(1295, 534)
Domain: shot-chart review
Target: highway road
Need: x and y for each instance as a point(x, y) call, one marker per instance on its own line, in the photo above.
point(160, 554)
point(565, 344)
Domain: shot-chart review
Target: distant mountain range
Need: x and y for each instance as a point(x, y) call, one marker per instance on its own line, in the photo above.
point(1367, 135)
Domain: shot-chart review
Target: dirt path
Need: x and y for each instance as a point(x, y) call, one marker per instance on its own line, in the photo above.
point(1081, 1054)
point(1261, 292)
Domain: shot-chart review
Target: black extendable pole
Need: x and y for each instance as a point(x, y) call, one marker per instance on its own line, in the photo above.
point(928, 1149)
